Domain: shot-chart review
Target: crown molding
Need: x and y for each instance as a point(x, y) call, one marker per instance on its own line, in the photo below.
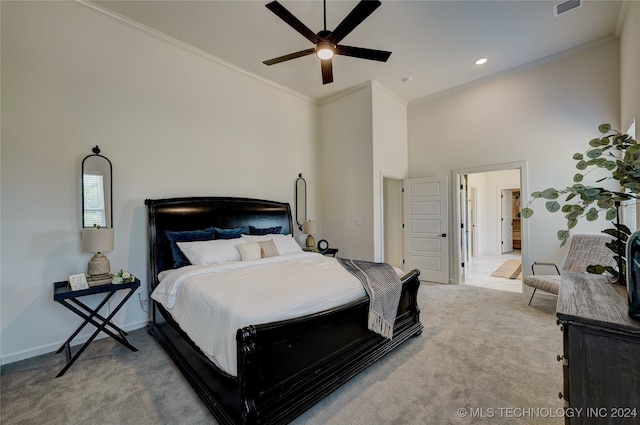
point(192, 49)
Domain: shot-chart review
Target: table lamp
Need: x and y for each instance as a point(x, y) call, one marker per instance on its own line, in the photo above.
point(309, 227)
point(97, 240)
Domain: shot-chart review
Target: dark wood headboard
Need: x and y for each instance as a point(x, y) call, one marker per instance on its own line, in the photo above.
point(195, 213)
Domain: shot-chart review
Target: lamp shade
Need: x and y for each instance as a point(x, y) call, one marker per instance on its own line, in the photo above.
point(97, 239)
point(309, 227)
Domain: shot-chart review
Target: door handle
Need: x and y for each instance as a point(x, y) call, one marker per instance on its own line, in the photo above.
point(444, 235)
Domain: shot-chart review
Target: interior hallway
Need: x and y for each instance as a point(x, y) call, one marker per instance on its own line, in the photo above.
point(480, 268)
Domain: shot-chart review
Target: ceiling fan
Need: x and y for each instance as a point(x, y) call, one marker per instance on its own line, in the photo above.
point(327, 42)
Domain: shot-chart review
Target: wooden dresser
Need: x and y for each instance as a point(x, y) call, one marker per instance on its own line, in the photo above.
point(601, 361)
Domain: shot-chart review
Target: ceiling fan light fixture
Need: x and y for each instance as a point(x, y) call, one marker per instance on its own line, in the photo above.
point(326, 44)
point(325, 50)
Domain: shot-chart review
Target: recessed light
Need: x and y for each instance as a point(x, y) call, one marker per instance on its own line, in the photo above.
point(407, 79)
point(481, 61)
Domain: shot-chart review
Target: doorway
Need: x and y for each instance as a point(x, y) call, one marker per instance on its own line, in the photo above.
point(392, 221)
point(511, 235)
point(491, 237)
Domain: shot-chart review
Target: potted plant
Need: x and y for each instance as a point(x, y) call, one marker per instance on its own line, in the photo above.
point(619, 155)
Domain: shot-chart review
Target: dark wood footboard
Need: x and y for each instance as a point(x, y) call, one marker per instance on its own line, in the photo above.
point(286, 367)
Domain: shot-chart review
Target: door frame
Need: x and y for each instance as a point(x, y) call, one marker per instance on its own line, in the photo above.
point(456, 273)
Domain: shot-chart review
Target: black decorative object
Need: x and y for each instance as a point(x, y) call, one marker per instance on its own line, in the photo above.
point(619, 249)
point(97, 164)
point(633, 274)
point(323, 245)
point(301, 200)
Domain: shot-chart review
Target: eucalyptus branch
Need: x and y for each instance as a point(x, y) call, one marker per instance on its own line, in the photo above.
point(614, 152)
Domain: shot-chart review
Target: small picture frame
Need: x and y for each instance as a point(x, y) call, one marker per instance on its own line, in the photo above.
point(78, 281)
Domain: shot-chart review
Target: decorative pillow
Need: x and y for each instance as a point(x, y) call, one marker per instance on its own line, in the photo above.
point(250, 251)
point(179, 259)
point(264, 231)
point(230, 233)
point(268, 248)
point(287, 245)
point(213, 251)
point(284, 243)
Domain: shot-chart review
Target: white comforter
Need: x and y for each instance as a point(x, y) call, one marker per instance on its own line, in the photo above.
point(212, 302)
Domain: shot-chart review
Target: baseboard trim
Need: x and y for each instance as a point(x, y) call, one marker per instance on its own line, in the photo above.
point(50, 348)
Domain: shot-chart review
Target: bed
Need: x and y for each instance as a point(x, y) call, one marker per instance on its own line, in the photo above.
point(283, 367)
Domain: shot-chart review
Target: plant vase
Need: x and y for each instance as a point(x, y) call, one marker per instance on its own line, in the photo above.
point(633, 274)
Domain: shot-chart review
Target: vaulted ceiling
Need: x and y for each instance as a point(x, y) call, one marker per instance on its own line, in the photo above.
point(434, 43)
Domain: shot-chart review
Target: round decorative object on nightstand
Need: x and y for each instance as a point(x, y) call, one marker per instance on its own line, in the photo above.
point(323, 245)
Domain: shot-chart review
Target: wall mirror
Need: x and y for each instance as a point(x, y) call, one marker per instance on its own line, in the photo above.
point(97, 196)
point(301, 201)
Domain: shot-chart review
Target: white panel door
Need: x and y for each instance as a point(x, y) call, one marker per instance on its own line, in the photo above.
point(426, 224)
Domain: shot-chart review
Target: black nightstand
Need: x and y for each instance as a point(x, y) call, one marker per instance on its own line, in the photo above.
point(63, 294)
point(328, 251)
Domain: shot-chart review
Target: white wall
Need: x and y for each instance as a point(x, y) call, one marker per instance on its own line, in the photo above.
point(364, 139)
point(488, 212)
point(172, 121)
point(345, 170)
point(541, 115)
point(390, 154)
point(630, 66)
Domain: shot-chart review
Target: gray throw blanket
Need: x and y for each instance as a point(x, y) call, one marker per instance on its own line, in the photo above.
point(383, 286)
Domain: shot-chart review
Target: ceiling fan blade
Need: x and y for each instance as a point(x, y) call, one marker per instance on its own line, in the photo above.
point(294, 22)
point(290, 56)
point(327, 71)
point(362, 53)
point(353, 19)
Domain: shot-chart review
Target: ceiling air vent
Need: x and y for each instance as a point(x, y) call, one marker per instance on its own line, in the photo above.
point(566, 6)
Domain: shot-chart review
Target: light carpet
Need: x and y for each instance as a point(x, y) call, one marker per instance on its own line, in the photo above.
point(483, 357)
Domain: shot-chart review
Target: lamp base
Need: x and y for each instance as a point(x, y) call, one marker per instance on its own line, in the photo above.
point(98, 265)
point(310, 243)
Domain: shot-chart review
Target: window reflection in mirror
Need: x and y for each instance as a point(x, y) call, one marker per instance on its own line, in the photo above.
point(96, 191)
point(94, 204)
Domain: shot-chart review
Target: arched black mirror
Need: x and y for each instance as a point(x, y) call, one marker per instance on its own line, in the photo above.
point(301, 201)
point(97, 196)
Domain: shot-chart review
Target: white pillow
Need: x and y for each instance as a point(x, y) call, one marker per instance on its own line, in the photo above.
point(213, 251)
point(250, 251)
point(285, 243)
point(256, 238)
